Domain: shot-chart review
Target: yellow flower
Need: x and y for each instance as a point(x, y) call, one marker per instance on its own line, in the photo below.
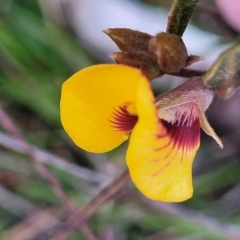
point(102, 105)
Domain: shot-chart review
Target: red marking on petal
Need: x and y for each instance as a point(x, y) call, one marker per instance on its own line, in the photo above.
point(184, 114)
point(161, 131)
point(182, 124)
point(159, 171)
point(182, 137)
point(158, 136)
point(164, 146)
point(122, 120)
point(165, 157)
point(185, 136)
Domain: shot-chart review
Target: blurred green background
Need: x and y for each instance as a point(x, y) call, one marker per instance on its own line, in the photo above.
point(38, 52)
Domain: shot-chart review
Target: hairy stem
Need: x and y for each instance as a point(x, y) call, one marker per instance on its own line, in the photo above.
point(179, 16)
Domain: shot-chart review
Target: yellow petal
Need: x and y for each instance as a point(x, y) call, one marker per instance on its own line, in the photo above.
point(98, 106)
point(160, 154)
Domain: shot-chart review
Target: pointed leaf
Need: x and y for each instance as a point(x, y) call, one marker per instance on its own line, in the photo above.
point(224, 74)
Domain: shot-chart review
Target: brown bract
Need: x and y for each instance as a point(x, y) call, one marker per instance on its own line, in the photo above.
point(157, 55)
point(169, 51)
point(141, 60)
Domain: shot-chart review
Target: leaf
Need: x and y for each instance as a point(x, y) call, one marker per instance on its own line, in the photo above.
point(224, 75)
point(180, 15)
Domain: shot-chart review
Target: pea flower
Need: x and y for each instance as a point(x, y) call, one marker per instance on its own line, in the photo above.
point(104, 105)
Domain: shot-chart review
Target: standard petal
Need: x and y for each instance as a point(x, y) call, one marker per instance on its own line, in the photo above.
point(98, 106)
point(160, 154)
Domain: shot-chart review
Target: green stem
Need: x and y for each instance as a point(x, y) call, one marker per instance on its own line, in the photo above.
point(180, 15)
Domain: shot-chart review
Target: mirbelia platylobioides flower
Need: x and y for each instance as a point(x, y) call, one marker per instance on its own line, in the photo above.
point(104, 105)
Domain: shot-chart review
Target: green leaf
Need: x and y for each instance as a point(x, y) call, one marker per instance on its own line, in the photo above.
point(224, 75)
point(180, 15)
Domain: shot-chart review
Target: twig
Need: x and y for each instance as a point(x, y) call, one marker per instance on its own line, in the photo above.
point(9, 125)
point(37, 223)
point(188, 73)
point(22, 208)
point(82, 215)
point(44, 157)
point(15, 204)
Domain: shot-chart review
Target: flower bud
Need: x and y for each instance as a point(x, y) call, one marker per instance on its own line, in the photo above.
point(169, 51)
